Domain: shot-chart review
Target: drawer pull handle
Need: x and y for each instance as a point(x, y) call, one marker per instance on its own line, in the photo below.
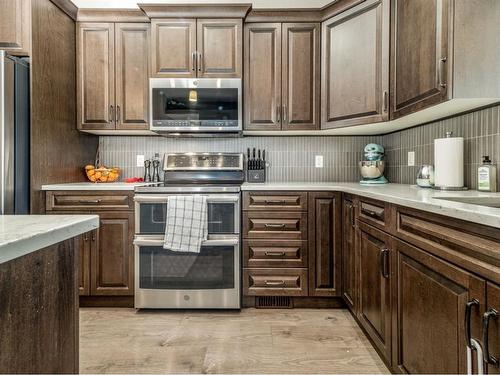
point(371, 213)
point(274, 225)
point(275, 201)
point(275, 283)
point(275, 253)
point(89, 201)
point(468, 312)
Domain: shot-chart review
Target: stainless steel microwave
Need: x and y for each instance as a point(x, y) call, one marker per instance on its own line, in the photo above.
point(203, 105)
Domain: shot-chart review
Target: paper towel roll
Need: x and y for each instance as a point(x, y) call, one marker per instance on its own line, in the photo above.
point(449, 162)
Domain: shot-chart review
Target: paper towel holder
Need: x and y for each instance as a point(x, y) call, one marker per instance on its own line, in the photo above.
point(449, 134)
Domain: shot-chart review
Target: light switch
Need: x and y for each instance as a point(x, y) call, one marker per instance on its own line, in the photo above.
point(318, 161)
point(140, 161)
point(411, 158)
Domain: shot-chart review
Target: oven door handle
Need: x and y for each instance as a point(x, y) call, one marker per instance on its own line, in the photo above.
point(156, 198)
point(141, 241)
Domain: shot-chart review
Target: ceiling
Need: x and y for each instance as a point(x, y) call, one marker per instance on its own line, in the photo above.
point(262, 4)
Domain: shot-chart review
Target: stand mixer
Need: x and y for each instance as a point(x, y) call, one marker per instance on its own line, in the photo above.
point(372, 168)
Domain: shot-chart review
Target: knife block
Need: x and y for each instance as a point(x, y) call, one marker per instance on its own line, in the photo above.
point(256, 175)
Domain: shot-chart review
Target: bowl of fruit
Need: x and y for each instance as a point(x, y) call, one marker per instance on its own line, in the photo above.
point(102, 174)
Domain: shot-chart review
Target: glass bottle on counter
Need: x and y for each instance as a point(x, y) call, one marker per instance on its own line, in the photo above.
point(487, 176)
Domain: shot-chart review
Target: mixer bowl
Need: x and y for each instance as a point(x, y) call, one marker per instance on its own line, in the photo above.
point(371, 170)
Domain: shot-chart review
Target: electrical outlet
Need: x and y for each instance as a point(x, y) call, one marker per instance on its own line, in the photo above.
point(140, 161)
point(411, 158)
point(318, 161)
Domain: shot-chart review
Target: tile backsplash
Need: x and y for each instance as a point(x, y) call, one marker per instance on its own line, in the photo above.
point(481, 133)
point(292, 158)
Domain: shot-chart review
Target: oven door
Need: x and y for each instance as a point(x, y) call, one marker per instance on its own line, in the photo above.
point(196, 105)
point(223, 214)
point(169, 279)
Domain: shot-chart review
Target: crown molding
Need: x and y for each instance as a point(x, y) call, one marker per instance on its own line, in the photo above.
point(111, 15)
point(196, 10)
point(67, 7)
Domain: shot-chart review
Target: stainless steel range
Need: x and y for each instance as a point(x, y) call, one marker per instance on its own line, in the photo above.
point(211, 278)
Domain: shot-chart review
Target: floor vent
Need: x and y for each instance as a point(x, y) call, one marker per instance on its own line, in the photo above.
point(273, 303)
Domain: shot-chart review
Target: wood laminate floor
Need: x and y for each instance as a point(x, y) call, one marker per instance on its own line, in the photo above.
point(250, 341)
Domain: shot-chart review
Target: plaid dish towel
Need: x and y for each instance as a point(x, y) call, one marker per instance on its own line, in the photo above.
point(187, 223)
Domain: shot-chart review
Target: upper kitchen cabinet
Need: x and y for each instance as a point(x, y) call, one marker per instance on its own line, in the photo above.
point(15, 26)
point(209, 48)
point(112, 76)
point(263, 76)
point(282, 76)
point(220, 48)
point(173, 48)
point(355, 66)
point(95, 75)
point(421, 54)
point(131, 75)
point(444, 52)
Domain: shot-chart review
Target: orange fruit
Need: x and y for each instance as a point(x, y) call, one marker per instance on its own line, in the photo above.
point(90, 172)
point(88, 167)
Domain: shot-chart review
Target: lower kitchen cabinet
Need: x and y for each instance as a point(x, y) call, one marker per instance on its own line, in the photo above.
point(375, 279)
point(349, 276)
point(106, 260)
point(325, 242)
point(112, 256)
point(491, 329)
point(432, 296)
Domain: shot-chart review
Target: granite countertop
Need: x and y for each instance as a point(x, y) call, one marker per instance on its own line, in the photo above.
point(92, 186)
point(405, 195)
point(23, 234)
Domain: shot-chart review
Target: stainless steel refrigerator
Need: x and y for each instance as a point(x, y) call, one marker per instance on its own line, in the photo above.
point(14, 135)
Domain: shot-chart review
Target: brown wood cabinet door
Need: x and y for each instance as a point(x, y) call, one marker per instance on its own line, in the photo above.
point(355, 67)
point(431, 302)
point(112, 255)
point(349, 277)
point(262, 76)
point(421, 60)
point(173, 48)
point(132, 76)
point(11, 21)
point(374, 312)
point(82, 243)
point(301, 76)
point(325, 241)
point(95, 76)
point(219, 47)
point(491, 337)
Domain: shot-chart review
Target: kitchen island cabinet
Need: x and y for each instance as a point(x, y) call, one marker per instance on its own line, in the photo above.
point(39, 292)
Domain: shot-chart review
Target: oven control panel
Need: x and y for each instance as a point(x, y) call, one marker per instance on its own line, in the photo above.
point(203, 161)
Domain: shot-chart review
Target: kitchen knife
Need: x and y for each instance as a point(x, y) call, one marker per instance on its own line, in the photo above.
point(248, 158)
point(263, 159)
point(254, 161)
point(259, 160)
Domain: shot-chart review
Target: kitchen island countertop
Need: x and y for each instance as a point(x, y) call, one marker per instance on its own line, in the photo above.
point(23, 234)
point(405, 195)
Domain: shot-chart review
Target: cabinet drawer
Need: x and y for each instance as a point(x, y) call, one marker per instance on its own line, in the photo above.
point(275, 282)
point(266, 253)
point(275, 225)
point(373, 212)
point(82, 201)
point(276, 201)
point(468, 245)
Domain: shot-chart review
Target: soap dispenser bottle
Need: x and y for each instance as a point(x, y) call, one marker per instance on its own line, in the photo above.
point(487, 176)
